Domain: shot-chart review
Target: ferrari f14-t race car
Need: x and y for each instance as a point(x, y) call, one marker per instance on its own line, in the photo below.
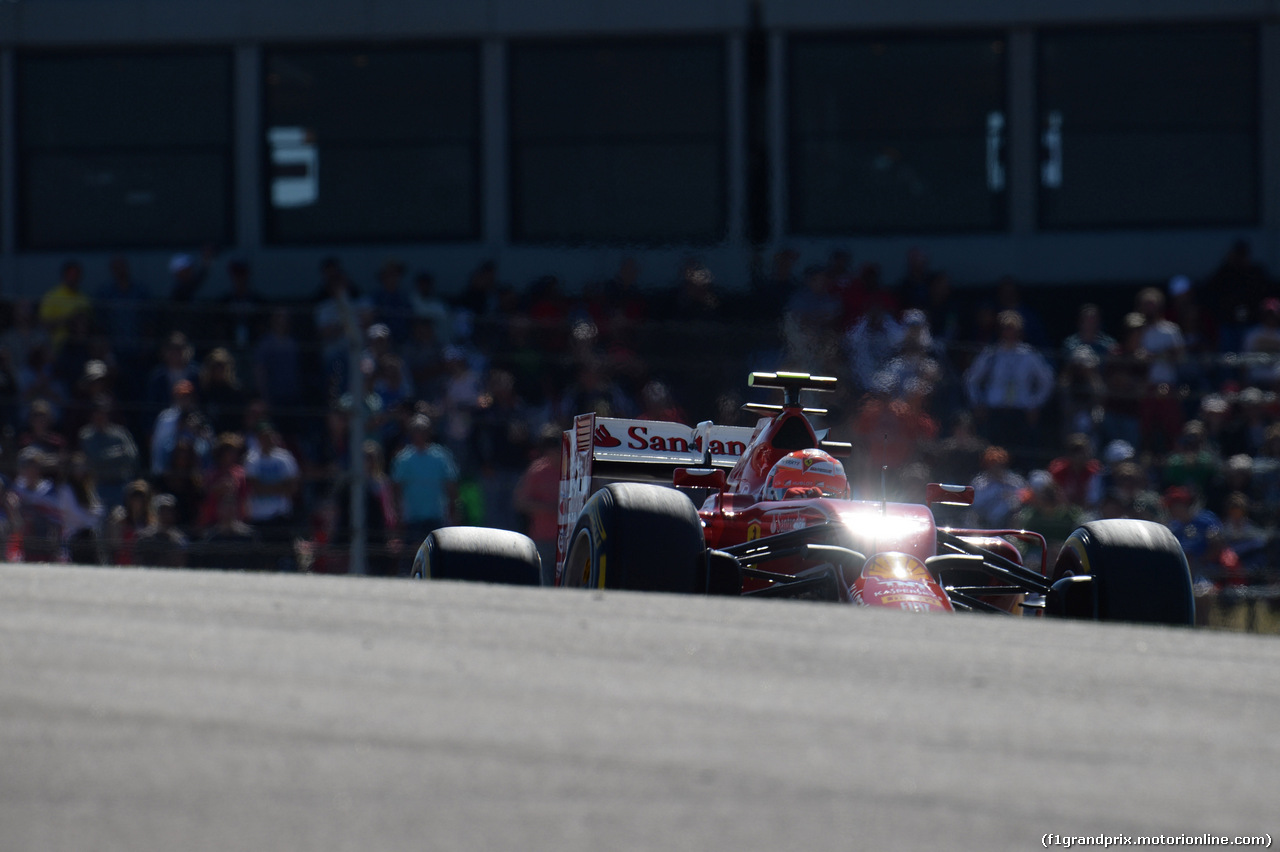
point(766, 512)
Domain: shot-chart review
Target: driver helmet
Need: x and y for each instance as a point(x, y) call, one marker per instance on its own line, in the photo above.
point(806, 470)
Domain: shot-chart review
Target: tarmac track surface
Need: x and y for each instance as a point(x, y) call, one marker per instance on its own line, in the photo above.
point(152, 710)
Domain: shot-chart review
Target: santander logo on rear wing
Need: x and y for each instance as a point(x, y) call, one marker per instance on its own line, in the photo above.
point(661, 442)
point(614, 439)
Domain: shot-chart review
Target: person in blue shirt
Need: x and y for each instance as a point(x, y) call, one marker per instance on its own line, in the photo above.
point(425, 479)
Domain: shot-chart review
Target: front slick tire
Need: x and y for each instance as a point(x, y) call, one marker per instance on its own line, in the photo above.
point(640, 537)
point(480, 555)
point(1139, 572)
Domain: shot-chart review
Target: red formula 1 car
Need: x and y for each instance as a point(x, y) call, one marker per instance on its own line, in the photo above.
point(766, 512)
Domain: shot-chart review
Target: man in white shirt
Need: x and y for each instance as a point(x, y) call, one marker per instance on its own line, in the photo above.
point(1008, 385)
point(272, 473)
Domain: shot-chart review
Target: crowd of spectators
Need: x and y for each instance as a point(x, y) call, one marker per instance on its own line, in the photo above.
point(199, 423)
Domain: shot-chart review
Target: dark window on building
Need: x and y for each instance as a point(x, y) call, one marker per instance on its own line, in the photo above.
point(1148, 128)
point(897, 134)
point(618, 142)
point(372, 145)
point(124, 149)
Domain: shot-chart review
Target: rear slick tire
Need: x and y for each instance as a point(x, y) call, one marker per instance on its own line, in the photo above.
point(639, 537)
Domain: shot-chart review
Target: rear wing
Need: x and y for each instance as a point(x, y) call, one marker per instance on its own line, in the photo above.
point(598, 450)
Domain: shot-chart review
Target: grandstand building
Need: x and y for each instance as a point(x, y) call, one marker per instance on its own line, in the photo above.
point(1058, 142)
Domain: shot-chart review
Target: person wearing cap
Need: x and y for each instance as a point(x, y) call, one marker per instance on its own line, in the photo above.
point(110, 452)
point(425, 482)
point(64, 301)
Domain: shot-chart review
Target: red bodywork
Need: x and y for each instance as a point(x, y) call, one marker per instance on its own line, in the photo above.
point(895, 538)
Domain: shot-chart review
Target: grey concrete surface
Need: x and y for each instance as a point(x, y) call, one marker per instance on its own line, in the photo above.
point(149, 710)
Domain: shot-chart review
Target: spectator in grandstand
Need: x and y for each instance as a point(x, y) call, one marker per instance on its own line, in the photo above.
point(41, 431)
point(1078, 473)
point(1261, 346)
point(697, 297)
point(127, 521)
point(462, 389)
point(1008, 385)
point(958, 456)
point(1193, 525)
point(380, 343)
point(277, 367)
point(595, 390)
point(183, 479)
point(771, 290)
point(501, 441)
point(1133, 486)
point(871, 343)
point(187, 275)
point(228, 542)
point(176, 365)
point(1009, 298)
point(182, 419)
point(9, 393)
point(943, 308)
point(341, 303)
point(22, 333)
point(1199, 333)
point(37, 381)
point(63, 301)
point(1235, 477)
point(1234, 293)
point(391, 304)
point(889, 432)
point(1163, 349)
point(227, 477)
point(537, 498)
point(272, 474)
point(38, 502)
point(111, 455)
point(1048, 511)
point(428, 304)
point(381, 524)
point(915, 359)
point(82, 512)
point(1125, 375)
point(1193, 462)
point(221, 396)
point(97, 379)
point(1241, 533)
point(913, 288)
point(1082, 393)
point(1089, 335)
point(997, 491)
point(124, 309)
point(423, 357)
point(425, 481)
point(162, 544)
point(240, 309)
point(76, 351)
